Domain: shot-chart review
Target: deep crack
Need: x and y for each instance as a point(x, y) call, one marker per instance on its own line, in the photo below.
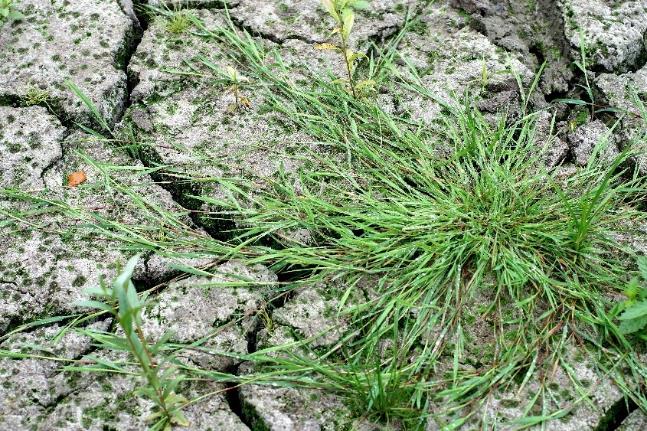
point(616, 414)
point(269, 36)
point(234, 400)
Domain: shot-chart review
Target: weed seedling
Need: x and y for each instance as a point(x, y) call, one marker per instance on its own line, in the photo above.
point(234, 81)
point(36, 96)
point(122, 302)
point(343, 12)
point(589, 101)
point(178, 23)
point(7, 11)
point(633, 320)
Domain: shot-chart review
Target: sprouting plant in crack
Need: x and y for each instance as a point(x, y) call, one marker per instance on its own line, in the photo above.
point(122, 302)
point(343, 12)
point(36, 96)
point(7, 11)
point(587, 106)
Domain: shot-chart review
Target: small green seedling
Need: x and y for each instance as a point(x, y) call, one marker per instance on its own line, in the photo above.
point(7, 11)
point(633, 320)
point(179, 21)
point(343, 12)
point(122, 301)
point(235, 81)
point(485, 79)
point(588, 100)
point(36, 96)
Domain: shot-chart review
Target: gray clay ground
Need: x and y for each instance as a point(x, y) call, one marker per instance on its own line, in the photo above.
point(123, 60)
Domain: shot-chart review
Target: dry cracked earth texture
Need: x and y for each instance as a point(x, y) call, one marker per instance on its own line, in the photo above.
point(125, 59)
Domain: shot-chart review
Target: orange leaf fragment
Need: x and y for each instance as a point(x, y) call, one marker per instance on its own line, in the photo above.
point(76, 178)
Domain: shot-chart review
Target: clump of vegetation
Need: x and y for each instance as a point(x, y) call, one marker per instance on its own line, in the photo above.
point(123, 303)
point(343, 12)
point(8, 12)
point(36, 96)
point(437, 216)
point(178, 22)
point(435, 234)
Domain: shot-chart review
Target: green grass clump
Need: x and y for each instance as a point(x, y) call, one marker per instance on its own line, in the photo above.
point(36, 96)
point(178, 22)
point(434, 224)
point(434, 218)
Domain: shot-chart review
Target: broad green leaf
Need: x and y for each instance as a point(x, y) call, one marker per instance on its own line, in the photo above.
point(126, 323)
point(637, 310)
point(127, 273)
point(329, 5)
point(139, 347)
point(179, 419)
point(124, 309)
point(642, 266)
point(633, 325)
point(95, 305)
point(133, 299)
point(360, 4)
point(348, 19)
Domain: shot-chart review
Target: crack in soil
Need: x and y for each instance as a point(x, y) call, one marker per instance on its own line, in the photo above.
point(269, 36)
point(232, 394)
point(234, 401)
point(616, 414)
point(66, 133)
point(52, 106)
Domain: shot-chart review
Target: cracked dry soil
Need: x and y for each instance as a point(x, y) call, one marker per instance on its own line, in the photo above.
point(123, 59)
